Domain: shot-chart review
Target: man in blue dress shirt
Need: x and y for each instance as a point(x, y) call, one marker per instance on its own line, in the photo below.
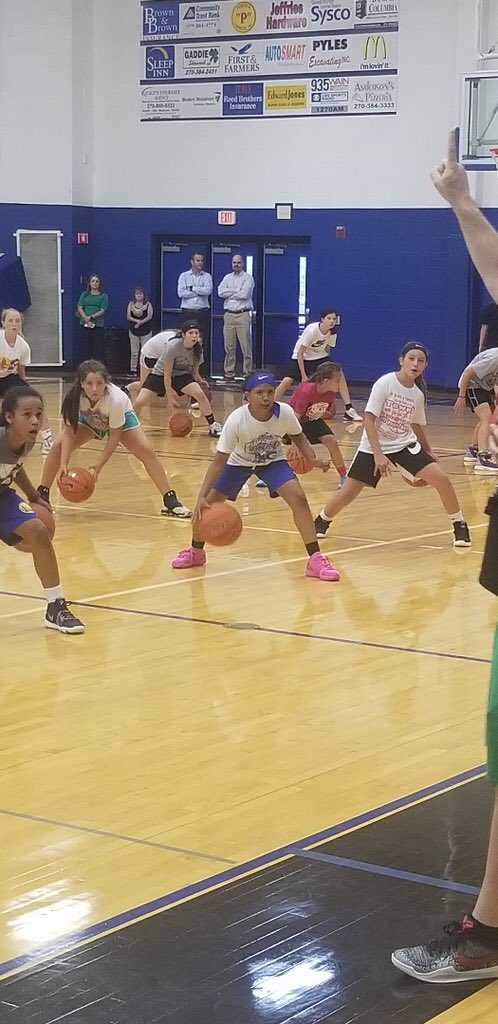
point(194, 288)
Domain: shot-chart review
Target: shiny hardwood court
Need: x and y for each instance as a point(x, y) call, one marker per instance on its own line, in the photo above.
point(173, 743)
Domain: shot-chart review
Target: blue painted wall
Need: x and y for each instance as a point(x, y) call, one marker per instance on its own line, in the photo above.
point(398, 274)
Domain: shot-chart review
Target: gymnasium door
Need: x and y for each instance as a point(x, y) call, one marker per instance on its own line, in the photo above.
point(279, 268)
point(284, 302)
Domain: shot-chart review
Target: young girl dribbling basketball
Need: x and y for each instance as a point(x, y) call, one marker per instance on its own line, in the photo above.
point(251, 443)
point(393, 435)
point(312, 400)
point(96, 408)
point(20, 420)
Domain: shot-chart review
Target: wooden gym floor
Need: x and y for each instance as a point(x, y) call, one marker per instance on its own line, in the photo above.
point(212, 723)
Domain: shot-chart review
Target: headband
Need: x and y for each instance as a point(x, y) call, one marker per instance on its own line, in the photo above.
point(259, 378)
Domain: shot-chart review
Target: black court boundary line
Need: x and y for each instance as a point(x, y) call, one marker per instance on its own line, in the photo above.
point(272, 630)
point(22, 963)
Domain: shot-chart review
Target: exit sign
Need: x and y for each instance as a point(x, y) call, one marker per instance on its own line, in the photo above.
point(228, 217)
point(83, 238)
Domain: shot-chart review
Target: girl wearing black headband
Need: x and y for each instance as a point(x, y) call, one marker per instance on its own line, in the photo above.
point(394, 435)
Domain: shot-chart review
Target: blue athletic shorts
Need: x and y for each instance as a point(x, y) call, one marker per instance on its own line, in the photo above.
point(233, 478)
point(131, 421)
point(14, 512)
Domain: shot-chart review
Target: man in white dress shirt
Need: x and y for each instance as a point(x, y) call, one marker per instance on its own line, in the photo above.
point(194, 288)
point(236, 290)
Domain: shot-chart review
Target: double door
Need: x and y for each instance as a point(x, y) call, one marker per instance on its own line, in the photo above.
point(279, 269)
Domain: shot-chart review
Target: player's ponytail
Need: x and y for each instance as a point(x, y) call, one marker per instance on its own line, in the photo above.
point(11, 401)
point(326, 371)
point(71, 405)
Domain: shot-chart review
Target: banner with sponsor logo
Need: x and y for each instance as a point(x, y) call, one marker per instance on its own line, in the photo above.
point(268, 58)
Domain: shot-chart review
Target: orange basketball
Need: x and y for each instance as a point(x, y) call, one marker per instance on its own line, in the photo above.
point(297, 462)
point(180, 424)
point(77, 484)
point(207, 390)
point(45, 515)
point(220, 524)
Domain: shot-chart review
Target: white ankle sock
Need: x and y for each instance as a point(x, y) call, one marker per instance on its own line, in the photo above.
point(53, 594)
point(457, 517)
point(323, 515)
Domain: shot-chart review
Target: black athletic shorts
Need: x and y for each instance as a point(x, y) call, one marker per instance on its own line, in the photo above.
point(313, 430)
point(293, 371)
point(13, 380)
point(479, 396)
point(154, 382)
point(413, 458)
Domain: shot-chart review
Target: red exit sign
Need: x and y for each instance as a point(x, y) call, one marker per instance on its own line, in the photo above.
point(227, 217)
point(83, 238)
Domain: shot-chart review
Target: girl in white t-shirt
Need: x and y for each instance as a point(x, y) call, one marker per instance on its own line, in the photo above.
point(251, 444)
point(15, 356)
point(96, 408)
point(312, 349)
point(394, 435)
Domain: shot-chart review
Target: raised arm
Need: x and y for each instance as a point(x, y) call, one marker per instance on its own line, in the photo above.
point(451, 181)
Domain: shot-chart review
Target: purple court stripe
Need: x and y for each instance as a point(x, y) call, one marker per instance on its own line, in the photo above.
point(267, 629)
point(376, 869)
point(266, 859)
point(115, 835)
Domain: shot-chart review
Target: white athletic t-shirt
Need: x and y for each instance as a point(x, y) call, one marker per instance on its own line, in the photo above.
point(109, 413)
point(395, 409)
point(315, 344)
point(251, 442)
point(13, 356)
point(154, 346)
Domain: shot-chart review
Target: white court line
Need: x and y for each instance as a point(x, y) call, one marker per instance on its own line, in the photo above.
point(262, 565)
point(171, 519)
point(247, 568)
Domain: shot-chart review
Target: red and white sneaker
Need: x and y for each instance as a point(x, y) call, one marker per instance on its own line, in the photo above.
point(189, 558)
point(321, 568)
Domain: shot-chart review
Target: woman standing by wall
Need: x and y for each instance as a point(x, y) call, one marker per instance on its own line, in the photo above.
point(91, 310)
point(139, 316)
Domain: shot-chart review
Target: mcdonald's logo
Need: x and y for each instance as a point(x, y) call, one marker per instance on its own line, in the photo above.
point(375, 48)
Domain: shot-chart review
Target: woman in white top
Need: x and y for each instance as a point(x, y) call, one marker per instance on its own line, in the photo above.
point(394, 435)
point(15, 356)
point(312, 349)
point(94, 408)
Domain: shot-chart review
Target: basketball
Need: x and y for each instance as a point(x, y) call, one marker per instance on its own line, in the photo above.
point(45, 515)
point(220, 524)
point(180, 424)
point(207, 390)
point(297, 462)
point(77, 484)
point(414, 483)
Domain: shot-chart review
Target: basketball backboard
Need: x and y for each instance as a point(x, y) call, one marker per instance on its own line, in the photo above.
point(479, 120)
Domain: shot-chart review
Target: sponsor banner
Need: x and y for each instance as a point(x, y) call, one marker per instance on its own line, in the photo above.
point(241, 18)
point(241, 99)
point(175, 102)
point(332, 96)
point(376, 12)
point(292, 96)
point(160, 19)
point(320, 55)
